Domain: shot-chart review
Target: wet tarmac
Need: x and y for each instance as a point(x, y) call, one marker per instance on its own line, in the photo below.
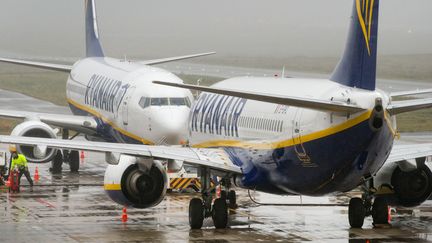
point(74, 208)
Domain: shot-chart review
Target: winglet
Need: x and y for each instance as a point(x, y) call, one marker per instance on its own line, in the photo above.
point(357, 68)
point(93, 46)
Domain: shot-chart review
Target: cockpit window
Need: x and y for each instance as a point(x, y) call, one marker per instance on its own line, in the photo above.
point(177, 101)
point(159, 101)
point(163, 101)
point(144, 102)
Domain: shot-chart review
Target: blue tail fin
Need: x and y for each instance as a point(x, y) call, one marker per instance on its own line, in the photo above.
point(93, 46)
point(357, 68)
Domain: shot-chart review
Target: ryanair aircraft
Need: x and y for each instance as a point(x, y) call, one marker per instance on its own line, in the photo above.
point(112, 100)
point(284, 136)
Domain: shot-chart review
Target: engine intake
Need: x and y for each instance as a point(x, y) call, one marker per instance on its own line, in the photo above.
point(35, 129)
point(413, 187)
point(410, 182)
point(136, 182)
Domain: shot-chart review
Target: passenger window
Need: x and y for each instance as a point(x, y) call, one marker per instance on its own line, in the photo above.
point(159, 101)
point(144, 102)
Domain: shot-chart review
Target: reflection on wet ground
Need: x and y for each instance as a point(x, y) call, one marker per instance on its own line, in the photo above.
point(73, 208)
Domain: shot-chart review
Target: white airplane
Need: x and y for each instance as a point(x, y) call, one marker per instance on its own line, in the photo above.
point(111, 100)
point(285, 136)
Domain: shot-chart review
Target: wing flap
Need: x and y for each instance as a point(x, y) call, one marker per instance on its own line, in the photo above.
point(172, 59)
point(43, 65)
point(283, 100)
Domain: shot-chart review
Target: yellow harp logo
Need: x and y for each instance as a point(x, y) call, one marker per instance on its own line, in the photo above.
point(365, 12)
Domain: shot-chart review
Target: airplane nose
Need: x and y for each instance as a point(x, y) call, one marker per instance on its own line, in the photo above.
point(172, 125)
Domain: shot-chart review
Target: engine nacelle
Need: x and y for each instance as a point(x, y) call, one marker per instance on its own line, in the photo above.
point(37, 154)
point(136, 182)
point(410, 181)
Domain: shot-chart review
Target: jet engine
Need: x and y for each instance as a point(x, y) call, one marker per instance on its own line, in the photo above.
point(136, 182)
point(37, 154)
point(411, 181)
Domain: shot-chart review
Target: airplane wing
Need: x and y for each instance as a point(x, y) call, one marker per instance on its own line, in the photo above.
point(397, 107)
point(85, 124)
point(402, 152)
point(411, 92)
point(278, 99)
point(214, 159)
point(43, 65)
point(172, 59)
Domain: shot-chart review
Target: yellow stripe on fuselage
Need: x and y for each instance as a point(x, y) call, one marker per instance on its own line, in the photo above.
point(290, 142)
point(112, 187)
point(109, 122)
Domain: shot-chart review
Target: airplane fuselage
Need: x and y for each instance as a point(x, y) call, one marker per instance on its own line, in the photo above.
point(127, 106)
point(291, 150)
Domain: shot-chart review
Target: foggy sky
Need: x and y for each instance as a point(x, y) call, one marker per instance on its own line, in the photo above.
point(150, 28)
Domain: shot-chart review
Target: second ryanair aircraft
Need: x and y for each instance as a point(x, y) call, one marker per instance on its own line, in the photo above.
point(112, 100)
point(284, 136)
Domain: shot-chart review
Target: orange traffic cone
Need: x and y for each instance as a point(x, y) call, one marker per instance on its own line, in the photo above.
point(36, 175)
point(124, 215)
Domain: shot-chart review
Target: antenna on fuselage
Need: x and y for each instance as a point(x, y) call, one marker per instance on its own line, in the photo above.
point(283, 72)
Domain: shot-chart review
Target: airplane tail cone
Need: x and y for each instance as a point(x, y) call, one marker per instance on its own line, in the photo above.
point(124, 217)
point(36, 174)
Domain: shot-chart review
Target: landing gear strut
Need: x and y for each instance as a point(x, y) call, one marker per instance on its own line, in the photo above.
point(359, 208)
point(202, 208)
point(71, 157)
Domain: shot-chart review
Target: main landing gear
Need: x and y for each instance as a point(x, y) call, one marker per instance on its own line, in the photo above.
point(199, 209)
point(359, 208)
point(71, 157)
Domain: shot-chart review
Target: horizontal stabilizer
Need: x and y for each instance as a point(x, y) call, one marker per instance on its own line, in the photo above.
point(42, 65)
point(397, 107)
point(277, 99)
point(172, 59)
point(411, 92)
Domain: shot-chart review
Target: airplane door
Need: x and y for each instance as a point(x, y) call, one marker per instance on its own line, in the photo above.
point(126, 106)
point(299, 149)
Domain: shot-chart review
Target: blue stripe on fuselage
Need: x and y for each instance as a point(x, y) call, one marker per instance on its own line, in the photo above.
point(330, 164)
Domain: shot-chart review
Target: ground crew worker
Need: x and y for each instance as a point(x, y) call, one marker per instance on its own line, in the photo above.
point(20, 161)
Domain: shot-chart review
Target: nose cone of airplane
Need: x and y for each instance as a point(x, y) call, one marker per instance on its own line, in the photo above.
point(171, 124)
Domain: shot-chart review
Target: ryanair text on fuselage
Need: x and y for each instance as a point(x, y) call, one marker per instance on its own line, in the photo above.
point(105, 93)
point(215, 114)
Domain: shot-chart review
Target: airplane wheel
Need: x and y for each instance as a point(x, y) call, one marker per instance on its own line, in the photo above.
point(232, 199)
point(196, 213)
point(74, 161)
point(56, 163)
point(356, 213)
point(380, 211)
point(220, 213)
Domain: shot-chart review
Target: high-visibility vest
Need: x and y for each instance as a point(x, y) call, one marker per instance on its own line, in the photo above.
point(20, 161)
